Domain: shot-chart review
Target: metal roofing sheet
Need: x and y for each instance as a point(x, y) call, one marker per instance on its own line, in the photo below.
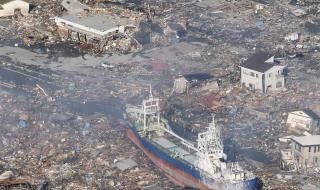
point(307, 140)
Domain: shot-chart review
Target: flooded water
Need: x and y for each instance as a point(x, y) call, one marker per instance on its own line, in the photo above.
point(143, 38)
point(255, 155)
point(65, 49)
point(17, 79)
point(62, 49)
point(107, 107)
point(313, 27)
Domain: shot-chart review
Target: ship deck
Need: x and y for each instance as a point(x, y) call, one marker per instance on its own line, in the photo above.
point(173, 146)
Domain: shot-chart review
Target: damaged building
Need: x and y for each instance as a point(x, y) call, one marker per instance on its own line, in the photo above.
point(204, 81)
point(261, 72)
point(304, 119)
point(70, 68)
point(90, 28)
point(11, 7)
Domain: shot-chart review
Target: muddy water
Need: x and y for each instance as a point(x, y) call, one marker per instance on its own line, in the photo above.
point(62, 49)
point(255, 155)
point(66, 49)
point(110, 107)
point(17, 79)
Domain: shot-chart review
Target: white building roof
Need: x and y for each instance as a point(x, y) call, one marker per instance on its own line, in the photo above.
point(305, 113)
point(307, 140)
point(98, 24)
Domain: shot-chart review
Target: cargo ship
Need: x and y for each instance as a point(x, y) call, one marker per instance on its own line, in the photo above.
point(200, 165)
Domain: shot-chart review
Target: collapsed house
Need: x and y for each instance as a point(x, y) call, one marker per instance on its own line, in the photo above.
point(11, 7)
point(202, 85)
point(204, 81)
point(303, 155)
point(303, 119)
point(261, 72)
point(90, 29)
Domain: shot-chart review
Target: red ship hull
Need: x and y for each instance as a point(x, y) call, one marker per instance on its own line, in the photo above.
point(176, 175)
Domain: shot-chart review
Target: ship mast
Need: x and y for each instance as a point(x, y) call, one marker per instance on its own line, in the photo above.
point(151, 111)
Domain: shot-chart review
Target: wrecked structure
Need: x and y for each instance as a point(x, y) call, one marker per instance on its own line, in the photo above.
point(10, 7)
point(98, 32)
point(212, 39)
point(205, 81)
point(305, 119)
point(90, 28)
point(261, 72)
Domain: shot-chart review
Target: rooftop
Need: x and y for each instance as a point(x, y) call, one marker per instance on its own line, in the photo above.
point(101, 23)
point(307, 112)
point(2, 2)
point(258, 63)
point(310, 113)
point(307, 140)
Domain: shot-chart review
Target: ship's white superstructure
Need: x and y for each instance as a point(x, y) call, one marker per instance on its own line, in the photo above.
point(205, 156)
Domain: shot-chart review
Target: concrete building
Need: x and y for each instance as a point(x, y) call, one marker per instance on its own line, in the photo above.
point(90, 28)
point(305, 119)
point(261, 72)
point(10, 7)
point(306, 151)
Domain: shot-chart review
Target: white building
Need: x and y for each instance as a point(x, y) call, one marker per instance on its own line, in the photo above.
point(260, 72)
point(306, 151)
point(305, 119)
point(9, 7)
point(90, 27)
